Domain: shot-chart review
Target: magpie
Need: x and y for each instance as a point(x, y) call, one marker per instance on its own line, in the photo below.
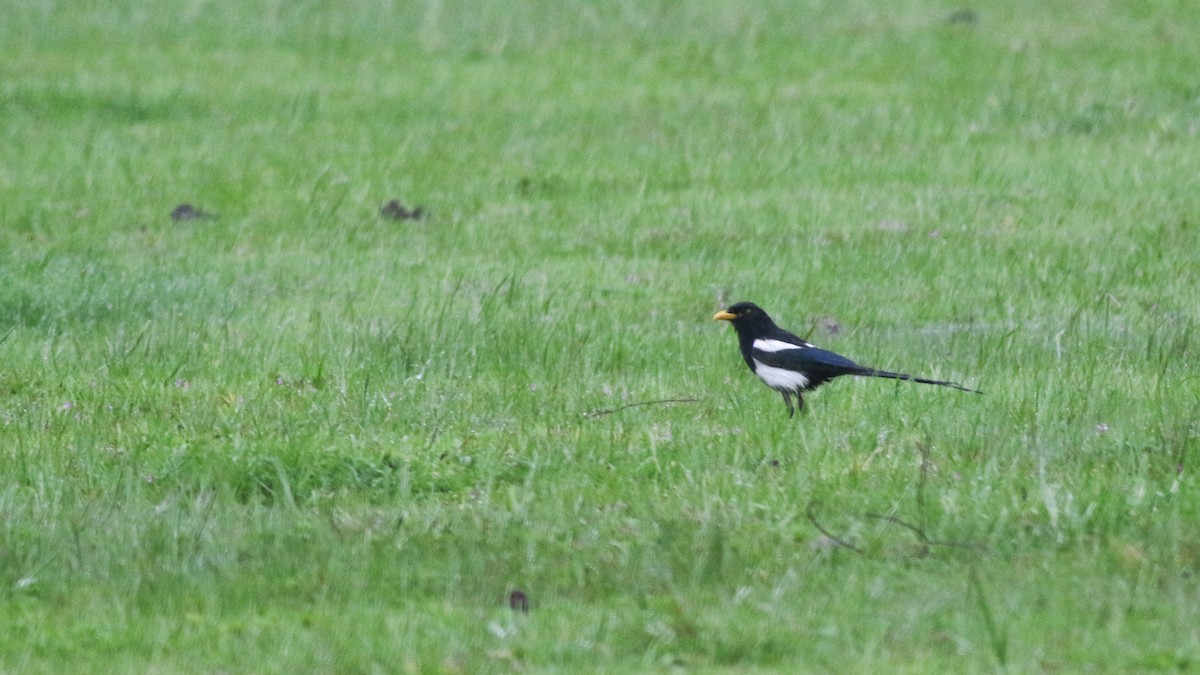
point(790, 365)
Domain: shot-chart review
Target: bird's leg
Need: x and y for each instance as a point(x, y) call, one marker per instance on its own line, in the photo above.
point(799, 402)
point(787, 399)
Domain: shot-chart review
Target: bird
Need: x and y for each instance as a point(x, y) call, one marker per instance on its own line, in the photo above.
point(791, 365)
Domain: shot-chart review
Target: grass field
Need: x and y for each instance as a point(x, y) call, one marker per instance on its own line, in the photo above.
point(302, 437)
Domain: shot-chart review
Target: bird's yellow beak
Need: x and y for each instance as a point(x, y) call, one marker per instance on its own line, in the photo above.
point(723, 315)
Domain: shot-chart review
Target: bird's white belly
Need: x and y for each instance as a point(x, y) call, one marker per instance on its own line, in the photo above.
point(780, 379)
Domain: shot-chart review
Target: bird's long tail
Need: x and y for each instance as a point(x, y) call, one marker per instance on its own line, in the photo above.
point(911, 378)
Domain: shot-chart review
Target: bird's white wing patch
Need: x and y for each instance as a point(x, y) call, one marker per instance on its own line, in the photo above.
point(780, 379)
point(763, 345)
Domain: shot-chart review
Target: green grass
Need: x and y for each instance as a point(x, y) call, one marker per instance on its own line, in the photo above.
point(300, 437)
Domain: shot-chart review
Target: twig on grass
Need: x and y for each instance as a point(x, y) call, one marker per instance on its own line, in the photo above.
point(812, 518)
point(923, 476)
point(997, 635)
point(919, 528)
point(920, 533)
point(609, 411)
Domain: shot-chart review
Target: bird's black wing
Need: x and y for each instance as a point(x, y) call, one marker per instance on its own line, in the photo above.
point(818, 365)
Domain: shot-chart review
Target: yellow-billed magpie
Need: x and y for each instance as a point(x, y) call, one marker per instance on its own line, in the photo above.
point(790, 365)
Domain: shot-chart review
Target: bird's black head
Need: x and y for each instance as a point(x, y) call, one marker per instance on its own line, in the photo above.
point(745, 315)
